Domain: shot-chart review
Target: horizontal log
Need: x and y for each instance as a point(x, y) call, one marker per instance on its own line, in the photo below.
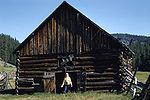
point(107, 62)
point(34, 72)
point(100, 53)
point(27, 85)
point(39, 61)
point(31, 76)
point(26, 74)
point(25, 79)
point(32, 57)
point(37, 68)
point(26, 91)
point(25, 88)
point(87, 68)
point(91, 74)
point(99, 79)
point(104, 83)
point(97, 58)
point(24, 84)
point(102, 87)
point(39, 65)
point(95, 66)
point(100, 70)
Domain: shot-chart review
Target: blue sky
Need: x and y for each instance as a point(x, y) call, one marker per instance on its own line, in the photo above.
point(18, 18)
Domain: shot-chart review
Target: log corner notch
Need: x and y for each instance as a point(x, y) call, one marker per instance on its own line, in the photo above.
point(68, 32)
point(17, 71)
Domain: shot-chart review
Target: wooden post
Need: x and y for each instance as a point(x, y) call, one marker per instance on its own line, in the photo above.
point(85, 82)
point(84, 76)
point(17, 71)
point(6, 81)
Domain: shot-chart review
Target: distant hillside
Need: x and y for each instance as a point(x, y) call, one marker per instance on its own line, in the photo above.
point(128, 38)
point(141, 46)
point(7, 46)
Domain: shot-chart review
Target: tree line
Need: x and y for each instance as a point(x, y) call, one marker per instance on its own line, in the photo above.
point(7, 46)
point(140, 45)
point(142, 56)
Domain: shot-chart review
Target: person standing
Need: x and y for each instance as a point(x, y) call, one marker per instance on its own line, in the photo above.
point(67, 83)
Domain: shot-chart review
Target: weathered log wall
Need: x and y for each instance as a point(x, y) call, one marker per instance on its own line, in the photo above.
point(66, 31)
point(101, 70)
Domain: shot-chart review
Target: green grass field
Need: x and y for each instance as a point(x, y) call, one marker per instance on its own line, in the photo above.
point(68, 96)
point(142, 76)
point(7, 69)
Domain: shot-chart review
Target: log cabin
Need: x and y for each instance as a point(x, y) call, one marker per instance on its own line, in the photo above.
point(68, 41)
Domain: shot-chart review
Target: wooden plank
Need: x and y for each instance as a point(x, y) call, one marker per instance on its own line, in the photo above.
point(77, 32)
point(61, 32)
point(38, 41)
point(40, 37)
point(36, 65)
point(41, 68)
point(45, 39)
point(103, 83)
point(64, 31)
point(102, 67)
point(73, 38)
point(53, 35)
point(22, 51)
point(30, 76)
point(86, 36)
point(67, 30)
point(58, 34)
point(98, 58)
point(25, 49)
point(32, 72)
point(102, 87)
point(50, 35)
point(91, 40)
point(94, 63)
point(35, 45)
point(93, 74)
point(25, 84)
point(36, 57)
point(83, 37)
point(25, 88)
point(39, 61)
point(99, 78)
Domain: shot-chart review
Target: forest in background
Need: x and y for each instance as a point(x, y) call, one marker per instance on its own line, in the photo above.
point(7, 46)
point(139, 44)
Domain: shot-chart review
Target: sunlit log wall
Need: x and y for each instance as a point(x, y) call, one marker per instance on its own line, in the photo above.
point(67, 31)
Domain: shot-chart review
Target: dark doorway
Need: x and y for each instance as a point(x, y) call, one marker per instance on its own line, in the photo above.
point(59, 80)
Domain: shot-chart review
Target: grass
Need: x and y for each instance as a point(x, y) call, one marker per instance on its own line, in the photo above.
point(7, 69)
point(142, 76)
point(68, 96)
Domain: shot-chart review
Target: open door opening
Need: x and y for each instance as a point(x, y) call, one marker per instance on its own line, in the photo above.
point(59, 79)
